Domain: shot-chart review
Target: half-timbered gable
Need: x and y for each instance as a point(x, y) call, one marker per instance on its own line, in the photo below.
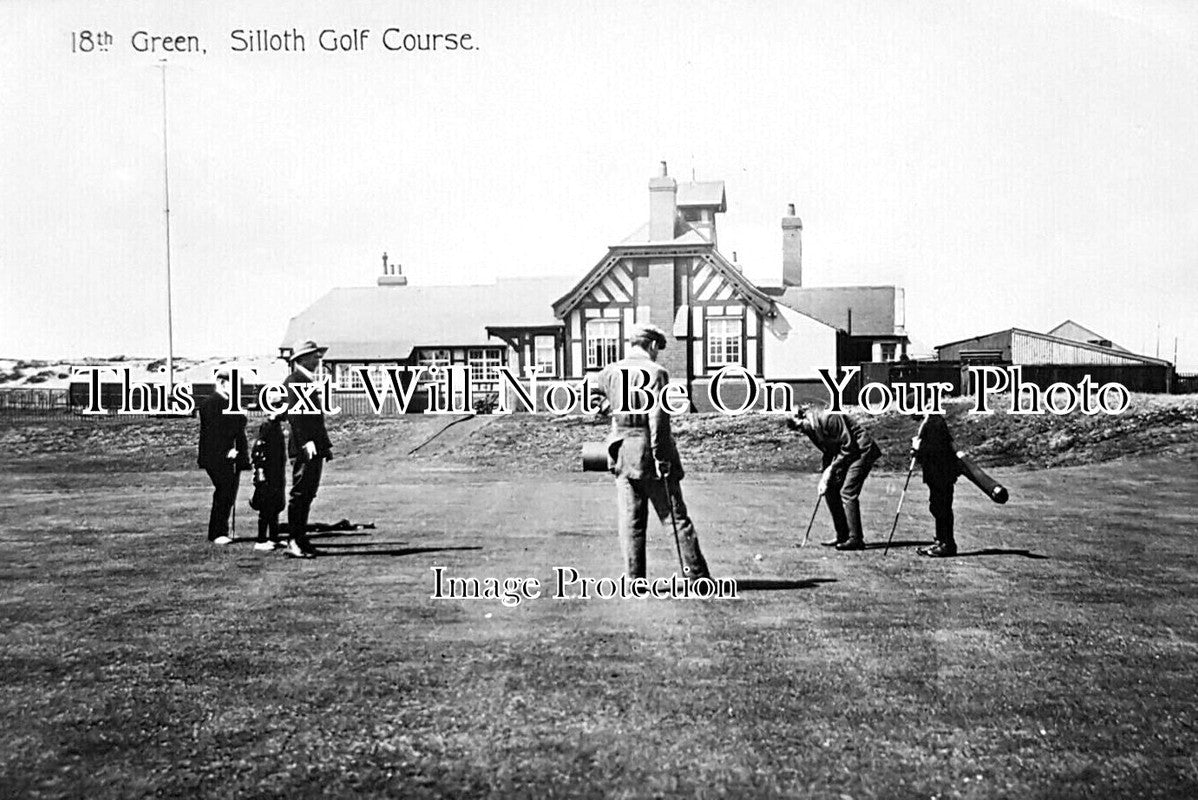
point(670, 274)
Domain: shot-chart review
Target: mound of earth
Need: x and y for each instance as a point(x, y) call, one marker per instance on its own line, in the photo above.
point(137, 444)
point(759, 442)
point(527, 443)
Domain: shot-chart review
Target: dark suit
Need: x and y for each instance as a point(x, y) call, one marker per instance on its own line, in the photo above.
point(937, 457)
point(636, 444)
point(849, 452)
point(305, 471)
point(270, 478)
point(220, 433)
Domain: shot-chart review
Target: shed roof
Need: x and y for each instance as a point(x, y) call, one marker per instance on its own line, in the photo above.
point(1080, 333)
point(873, 307)
point(1110, 351)
point(386, 322)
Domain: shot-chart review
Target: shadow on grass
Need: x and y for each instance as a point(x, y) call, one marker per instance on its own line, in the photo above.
point(251, 539)
point(893, 545)
point(774, 585)
point(330, 550)
point(995, 551)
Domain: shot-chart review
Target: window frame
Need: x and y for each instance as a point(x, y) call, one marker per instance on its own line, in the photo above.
point(738, 326)
point(552, 347)
point(614, 346)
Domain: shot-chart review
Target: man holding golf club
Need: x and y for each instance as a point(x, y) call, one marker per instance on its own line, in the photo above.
point(849, 453)
point(643, 457)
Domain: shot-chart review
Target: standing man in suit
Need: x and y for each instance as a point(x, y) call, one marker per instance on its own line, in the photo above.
point(223, 453)
point(308, 448)
point(644, 458)
point(849, 453)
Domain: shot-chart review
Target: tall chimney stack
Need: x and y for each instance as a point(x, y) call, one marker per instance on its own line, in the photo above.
point(792, 248)
point(663, 206)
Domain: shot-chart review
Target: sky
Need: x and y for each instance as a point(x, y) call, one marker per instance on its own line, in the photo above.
point(1006, 163)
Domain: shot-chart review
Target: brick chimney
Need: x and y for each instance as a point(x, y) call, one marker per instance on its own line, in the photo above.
point(392, 274)
point(663, 207)
point(792, 248)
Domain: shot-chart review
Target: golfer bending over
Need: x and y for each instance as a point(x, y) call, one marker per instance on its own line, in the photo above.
point(848, 455)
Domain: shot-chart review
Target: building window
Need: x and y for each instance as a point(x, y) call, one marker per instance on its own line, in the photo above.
point(544, 355)
point(603, 342)
point(887, 351)
point(484, 363)
point(347, 379)
point(434, 360)
point(725, 345)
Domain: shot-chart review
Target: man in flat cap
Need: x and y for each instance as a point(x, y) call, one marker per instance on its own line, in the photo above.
point(849, 453)
point(643, 457)
point(223, 453)
point(308, 447)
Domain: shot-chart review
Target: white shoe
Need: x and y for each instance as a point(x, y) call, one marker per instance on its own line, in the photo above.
point(265, 547)
point(294, 551)
point(222, 540)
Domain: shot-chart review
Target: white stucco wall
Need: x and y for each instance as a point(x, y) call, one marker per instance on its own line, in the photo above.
point(797, 345)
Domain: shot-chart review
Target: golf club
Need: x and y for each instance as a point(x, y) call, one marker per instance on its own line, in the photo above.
point(899, 510)
point(906, 483)
point(674, 522)
point(814, 511)
point(236, 487)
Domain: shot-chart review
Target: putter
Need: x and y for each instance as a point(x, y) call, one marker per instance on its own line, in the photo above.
point(814, 511)
point(674, 525)
point(899, 510)
point(902, 496)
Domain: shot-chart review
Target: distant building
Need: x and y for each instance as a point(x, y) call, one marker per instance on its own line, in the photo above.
point(1066, 353)
point(1068, 343)
point(669, 273)
point(394, 324)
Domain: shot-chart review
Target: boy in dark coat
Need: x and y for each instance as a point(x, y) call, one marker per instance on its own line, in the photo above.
point(270, 468)
point(937, 456)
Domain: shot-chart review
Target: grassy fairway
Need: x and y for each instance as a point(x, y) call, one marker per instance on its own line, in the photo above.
point(1055, 658)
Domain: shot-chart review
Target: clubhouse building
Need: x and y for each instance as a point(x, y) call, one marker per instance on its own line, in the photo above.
point(670, 272)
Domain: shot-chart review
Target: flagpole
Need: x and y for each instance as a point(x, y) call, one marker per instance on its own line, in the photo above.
point(166, 194)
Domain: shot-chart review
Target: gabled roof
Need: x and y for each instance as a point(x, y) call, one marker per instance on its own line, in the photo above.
point(1079, 333)
point(386, 322)
point(873, 307)
point(702, 194)
point(744, 288)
